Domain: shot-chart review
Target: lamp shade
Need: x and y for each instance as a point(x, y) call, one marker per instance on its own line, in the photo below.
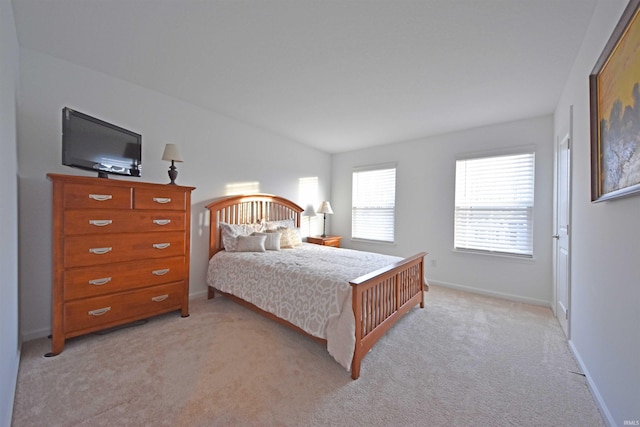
point(309, 211)
point(172, 152)
point(325, 208)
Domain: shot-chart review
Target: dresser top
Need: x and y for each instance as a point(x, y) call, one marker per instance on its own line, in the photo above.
point(76, 179)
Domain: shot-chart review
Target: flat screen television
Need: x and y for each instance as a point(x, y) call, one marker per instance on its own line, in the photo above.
point(95, 145)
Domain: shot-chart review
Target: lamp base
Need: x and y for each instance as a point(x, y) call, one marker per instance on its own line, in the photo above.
point(173, 174)
point(324, 226)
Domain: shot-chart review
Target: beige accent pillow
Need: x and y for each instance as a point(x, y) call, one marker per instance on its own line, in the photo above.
point(251, 243)
point(290, 238)
point(296, 237)
point(272, 243)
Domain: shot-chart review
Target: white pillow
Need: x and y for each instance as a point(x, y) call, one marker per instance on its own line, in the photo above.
point(230, 233)
point(272, 242)
point(275, 225)
point(250, 243)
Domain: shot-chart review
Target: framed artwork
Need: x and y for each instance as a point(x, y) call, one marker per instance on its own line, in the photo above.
point(614, 87)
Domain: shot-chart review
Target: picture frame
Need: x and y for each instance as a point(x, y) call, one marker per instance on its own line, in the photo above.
point(614, 95)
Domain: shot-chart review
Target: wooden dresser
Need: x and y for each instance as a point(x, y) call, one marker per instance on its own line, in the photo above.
point(120, 253)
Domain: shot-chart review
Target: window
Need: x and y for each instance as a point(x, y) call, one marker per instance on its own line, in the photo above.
point(494, 204)
point(374, 203)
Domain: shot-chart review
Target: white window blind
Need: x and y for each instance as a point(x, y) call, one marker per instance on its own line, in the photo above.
point(374, 204)
point(494, 204)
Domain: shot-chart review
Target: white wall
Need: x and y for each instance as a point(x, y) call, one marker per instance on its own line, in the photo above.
point(605, 332)
point(218, 152)
point(605, 293)
point(425, 206)
point(9, 340)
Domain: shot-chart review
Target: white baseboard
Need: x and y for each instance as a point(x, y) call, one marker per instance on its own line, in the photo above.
point(11, 387)
point(486, 292)
point(199, 294)
point(606, 414)
point(35, 334)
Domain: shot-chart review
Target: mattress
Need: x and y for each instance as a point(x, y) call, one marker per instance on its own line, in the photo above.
point(307, 286)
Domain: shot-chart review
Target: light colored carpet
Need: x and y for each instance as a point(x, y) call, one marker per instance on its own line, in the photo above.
point(464, 360)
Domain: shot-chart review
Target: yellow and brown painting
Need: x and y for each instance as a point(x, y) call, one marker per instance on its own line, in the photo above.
point(619, 112)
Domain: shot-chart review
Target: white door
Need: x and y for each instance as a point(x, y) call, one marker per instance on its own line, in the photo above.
point(562, 271)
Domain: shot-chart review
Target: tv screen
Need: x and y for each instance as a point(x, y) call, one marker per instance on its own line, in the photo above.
point(92, 144)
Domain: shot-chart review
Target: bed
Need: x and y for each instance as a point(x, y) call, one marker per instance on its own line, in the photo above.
point(351, 298)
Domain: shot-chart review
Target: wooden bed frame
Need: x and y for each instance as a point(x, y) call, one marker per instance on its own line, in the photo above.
point(380, 298)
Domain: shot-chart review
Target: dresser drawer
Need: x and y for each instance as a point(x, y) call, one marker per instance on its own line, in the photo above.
point(98, 280)
point(155, 299)
point(101, 221)
point(95, 249)
point(94, 313)
point(161, 198)
point(82, 196)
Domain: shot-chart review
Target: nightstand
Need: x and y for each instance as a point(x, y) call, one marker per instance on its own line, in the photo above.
point(325, 241)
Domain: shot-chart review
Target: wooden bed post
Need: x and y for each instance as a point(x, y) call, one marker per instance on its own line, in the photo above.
point(356, 302)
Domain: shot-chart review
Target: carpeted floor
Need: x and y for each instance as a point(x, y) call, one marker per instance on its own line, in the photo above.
point(464, 360)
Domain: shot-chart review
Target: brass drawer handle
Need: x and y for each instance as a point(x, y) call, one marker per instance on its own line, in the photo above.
point(160, 298)
point(161, 221)
point(101, 197)
point(99, 282)
point(160, 272)
point(161, 245)
point(100, 251)
point(100, 222)
point(162, 199)
point(99, 312)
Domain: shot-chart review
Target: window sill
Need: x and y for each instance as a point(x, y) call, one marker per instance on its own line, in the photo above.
point(379, 242)
point(525, 259)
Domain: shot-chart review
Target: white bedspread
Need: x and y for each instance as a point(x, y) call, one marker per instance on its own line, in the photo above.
point(307, 286)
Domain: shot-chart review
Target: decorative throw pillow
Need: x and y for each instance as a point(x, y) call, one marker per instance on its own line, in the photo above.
point(290, 238)
point(250, 243)
point(230, 233)
point(272, 242)
point(295, 236)
point(275, 225)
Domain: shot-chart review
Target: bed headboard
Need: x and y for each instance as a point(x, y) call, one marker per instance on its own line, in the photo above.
point(247, 209)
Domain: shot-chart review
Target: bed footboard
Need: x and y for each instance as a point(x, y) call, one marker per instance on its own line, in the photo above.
point(381, 298)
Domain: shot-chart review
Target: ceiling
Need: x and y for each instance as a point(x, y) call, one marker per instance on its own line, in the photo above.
point(334, 74)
